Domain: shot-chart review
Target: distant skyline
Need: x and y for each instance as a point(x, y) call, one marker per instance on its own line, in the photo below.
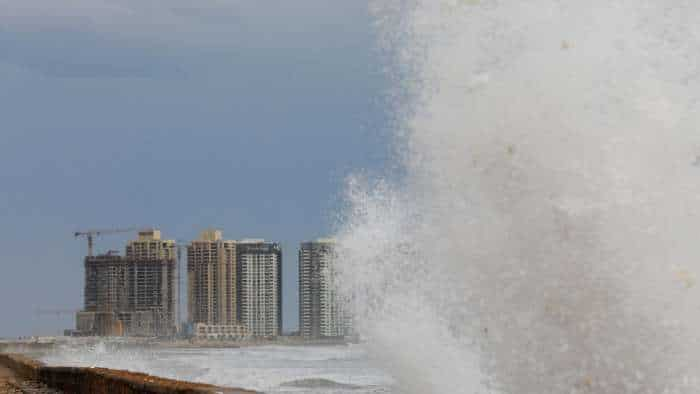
point(243, 117)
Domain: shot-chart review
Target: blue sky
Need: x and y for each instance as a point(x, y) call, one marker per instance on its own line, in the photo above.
point(240, 115)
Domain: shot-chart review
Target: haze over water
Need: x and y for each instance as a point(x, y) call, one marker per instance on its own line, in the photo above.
point(544, 238)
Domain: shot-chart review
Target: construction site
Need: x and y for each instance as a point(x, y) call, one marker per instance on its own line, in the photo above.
point(233, 287)
point(131, 295)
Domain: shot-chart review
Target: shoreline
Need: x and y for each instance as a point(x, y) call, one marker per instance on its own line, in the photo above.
point(193, 363)
point(22, 369)
point(47, 343)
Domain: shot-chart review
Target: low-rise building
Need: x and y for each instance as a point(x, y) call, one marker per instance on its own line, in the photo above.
point(103, 324)
point(220, 332)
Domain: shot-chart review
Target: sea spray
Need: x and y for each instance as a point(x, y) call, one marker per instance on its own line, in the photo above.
point(545, 236)
point(269, 369)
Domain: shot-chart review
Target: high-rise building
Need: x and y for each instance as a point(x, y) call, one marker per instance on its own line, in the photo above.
point(211, 280)
point(149, 246)
point(259, 287)
point(105, 283)
point(321, 312)
point(135, 294)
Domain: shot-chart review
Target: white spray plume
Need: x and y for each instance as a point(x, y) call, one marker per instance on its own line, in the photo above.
point(546, 237)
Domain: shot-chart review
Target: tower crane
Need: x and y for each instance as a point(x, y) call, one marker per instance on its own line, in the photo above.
point(91, 234)
point(55, 312)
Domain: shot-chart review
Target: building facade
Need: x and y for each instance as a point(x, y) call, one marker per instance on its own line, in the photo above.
point(221, 332)
point(259, 287)
point(104, 324)
point(321, 312)
point(152, 277)
point(105, 283)
point(211, 280)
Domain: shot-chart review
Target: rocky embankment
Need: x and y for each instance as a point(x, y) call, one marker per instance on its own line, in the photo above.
point(10, 383)
point(21, 374)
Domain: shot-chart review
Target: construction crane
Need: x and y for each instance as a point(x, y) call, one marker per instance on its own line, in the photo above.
point(91, 234)
point(54, 312)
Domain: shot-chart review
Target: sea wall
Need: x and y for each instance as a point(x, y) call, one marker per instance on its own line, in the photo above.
point(101, 380)
point(22, 366)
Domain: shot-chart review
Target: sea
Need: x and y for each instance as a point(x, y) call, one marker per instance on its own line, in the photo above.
point(269, 369)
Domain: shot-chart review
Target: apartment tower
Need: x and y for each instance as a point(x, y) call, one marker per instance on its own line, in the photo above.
point(259, 283)
point(320, 310)
point(211, 280)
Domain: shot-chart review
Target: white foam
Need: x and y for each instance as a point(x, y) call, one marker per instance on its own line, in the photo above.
point(545, 237)
point(264, 368)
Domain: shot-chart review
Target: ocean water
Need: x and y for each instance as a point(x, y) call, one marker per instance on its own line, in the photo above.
point(269, 369)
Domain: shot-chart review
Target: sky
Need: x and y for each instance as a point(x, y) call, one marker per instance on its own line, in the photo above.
point(245, 116)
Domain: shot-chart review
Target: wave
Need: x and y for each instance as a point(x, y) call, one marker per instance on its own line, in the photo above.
point(320, 383)
point(544, 237)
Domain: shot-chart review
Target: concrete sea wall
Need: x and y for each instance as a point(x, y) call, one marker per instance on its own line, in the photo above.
point(101, 380)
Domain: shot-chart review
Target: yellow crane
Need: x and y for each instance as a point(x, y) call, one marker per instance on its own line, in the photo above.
point(91, 234)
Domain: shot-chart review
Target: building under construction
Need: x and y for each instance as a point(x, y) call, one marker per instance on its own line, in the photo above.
point(133, 295)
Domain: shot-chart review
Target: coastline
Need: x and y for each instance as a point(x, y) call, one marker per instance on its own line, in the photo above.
point(142, 355)
point(36, 345)
point(20, 369)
